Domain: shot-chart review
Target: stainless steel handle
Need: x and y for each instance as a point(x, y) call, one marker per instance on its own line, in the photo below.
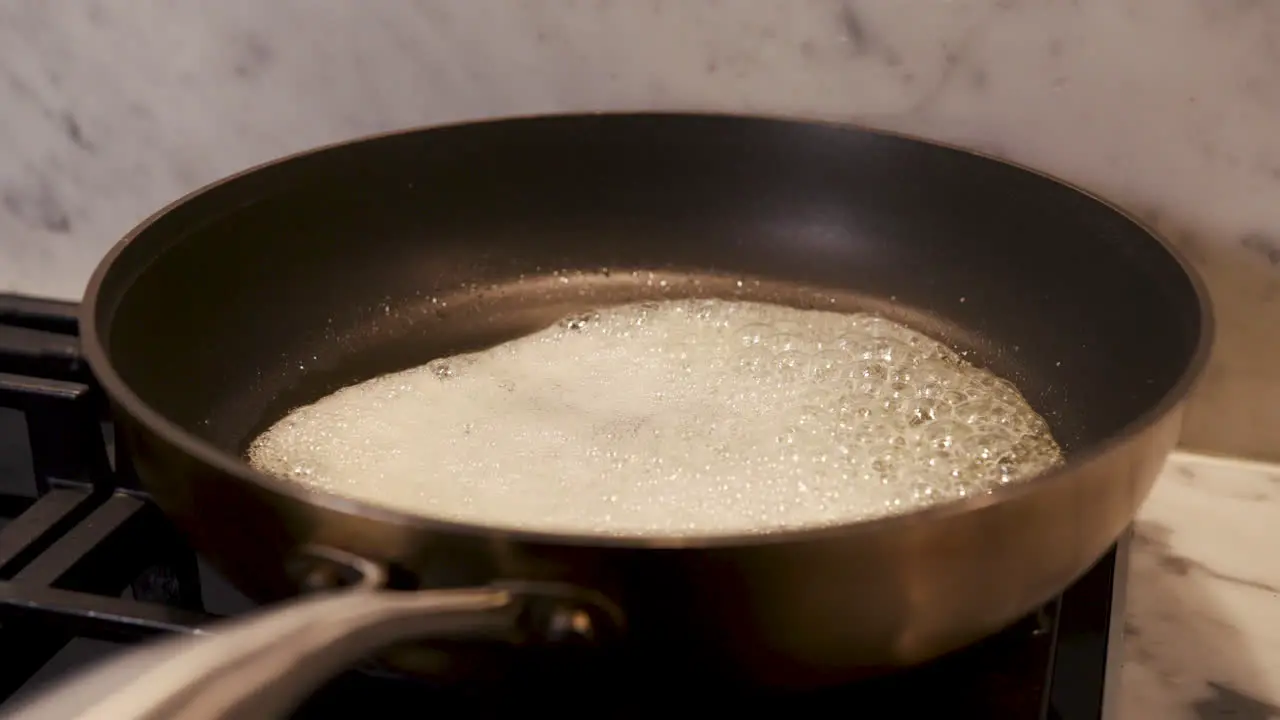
point(264, 665)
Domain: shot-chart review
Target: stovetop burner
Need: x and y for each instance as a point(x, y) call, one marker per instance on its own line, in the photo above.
point(89, 565)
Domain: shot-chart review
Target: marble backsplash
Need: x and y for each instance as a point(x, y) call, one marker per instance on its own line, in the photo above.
point(111, 108)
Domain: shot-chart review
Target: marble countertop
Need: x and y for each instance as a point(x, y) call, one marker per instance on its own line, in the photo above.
point(1202, 627)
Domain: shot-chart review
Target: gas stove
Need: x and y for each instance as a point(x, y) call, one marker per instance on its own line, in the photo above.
point(88, 566)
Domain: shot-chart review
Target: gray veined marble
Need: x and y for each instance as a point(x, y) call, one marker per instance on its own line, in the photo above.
point(1202, 621)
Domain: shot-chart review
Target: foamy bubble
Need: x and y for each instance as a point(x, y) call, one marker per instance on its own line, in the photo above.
point(687, 417)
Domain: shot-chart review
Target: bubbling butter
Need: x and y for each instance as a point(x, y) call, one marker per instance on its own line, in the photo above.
point(673, 418)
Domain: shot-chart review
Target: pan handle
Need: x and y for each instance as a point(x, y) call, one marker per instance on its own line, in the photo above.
point(265, 664)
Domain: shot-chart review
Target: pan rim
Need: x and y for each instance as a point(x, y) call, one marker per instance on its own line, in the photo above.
point(97, 357)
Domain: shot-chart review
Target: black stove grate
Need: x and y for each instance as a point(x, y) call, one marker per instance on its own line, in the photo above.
point(84, 554)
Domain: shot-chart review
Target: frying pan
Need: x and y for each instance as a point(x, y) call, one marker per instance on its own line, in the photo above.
point(289, 281)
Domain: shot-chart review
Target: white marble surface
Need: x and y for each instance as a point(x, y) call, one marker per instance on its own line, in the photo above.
point(1202, 631)
point(110, 108)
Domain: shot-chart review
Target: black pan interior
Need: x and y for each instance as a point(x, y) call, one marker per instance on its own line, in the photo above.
point(288, 282)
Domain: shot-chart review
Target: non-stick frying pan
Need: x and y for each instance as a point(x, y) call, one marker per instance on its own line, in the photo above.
point(282, 284)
